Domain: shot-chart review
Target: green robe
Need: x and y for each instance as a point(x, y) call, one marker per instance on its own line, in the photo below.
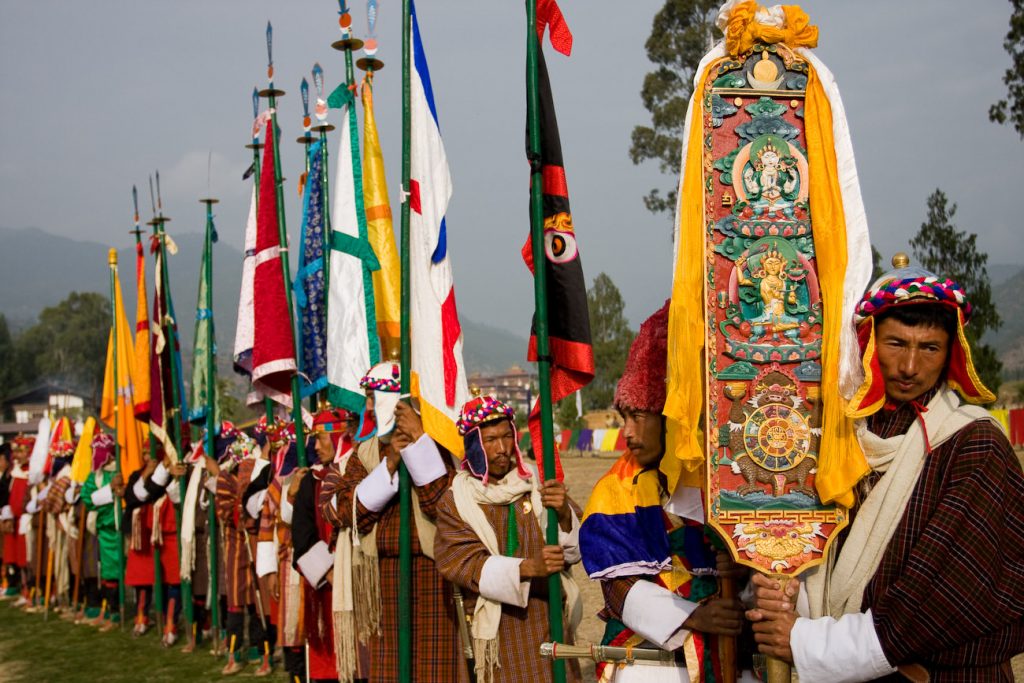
point(106, 528)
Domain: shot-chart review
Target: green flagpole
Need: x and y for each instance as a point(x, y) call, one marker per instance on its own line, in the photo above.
point(157, 567)
point(112, 261)
point(211, 410)
point(404, 484)
point(540, 321)
point(272, 93)
point(175, 408)
point(256, 146)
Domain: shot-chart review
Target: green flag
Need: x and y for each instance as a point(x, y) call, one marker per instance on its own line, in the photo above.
point(203, 397)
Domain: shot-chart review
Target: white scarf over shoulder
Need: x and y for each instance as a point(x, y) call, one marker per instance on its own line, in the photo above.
point(838, 588)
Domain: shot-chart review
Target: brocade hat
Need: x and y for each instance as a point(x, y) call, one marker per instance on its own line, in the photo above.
point(102, 450)
point(913, 286)
point(384, 380)
point(23, 442)
point(479, 412)
point(334, 422)
point(643, 382)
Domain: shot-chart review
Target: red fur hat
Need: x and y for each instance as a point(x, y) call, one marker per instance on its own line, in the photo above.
point(643, 382)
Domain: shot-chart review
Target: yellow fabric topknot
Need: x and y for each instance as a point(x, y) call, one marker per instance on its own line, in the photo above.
point(744, 29)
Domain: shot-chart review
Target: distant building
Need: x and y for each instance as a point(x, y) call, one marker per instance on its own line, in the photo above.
point(29, 406)
point(602, 419)
point(515, 387)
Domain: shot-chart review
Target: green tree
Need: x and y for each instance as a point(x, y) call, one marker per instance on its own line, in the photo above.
point(1011, 109)
point(611, 338)
point(565, 414)
point(232, 407)
point(876, 264)
point(943, 249)
point(682, 32)
point(69, 343)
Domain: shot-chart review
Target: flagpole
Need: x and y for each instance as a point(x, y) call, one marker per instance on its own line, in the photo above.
point(256, 146)
point(112, 261)
point(211, 412)
point(272, 93)
point(157, 567)
point(404, 484)
point(306, 139)
point(540, 320)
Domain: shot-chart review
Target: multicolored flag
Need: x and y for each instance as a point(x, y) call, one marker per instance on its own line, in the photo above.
point(386, 281)
point(572, 356)
point(166, 350)
point(351, 316)
point(273, 351)
point(141, 337)
point(116, 407)
point(309, 283)
point(438, 371)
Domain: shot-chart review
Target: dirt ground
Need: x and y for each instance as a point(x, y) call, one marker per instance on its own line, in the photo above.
point(581, 473)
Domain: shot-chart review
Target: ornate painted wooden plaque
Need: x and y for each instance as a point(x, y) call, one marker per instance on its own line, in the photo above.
point(763, 316)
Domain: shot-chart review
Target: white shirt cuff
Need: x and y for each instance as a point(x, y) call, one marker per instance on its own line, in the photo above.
point(32, 507)
point(378, 488)
point(315, 563)
point(266, 558)
point(71, 493)
point(211, 485)
point(499, 580)
point(570, 540)
point(139, 489)
point(257, 468)
point(423, 461)
point(103, 496)
point(657, 614)
point(161, 476)
point(286, 509)
point(174, 493)
point(844, 650)
point(255, 504)
point(6, 513)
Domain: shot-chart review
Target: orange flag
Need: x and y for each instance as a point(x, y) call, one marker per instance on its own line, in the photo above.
point(116, 408)
point(141, 393)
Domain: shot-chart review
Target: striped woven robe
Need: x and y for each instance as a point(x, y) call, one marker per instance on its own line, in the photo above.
point(460, 558)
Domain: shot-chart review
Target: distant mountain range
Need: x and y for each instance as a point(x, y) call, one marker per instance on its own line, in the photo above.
point(39, 269)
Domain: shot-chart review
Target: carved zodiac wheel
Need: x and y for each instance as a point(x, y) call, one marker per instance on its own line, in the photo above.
point(776, 437)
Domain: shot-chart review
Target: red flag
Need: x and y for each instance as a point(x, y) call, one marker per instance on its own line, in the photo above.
point(273, 352)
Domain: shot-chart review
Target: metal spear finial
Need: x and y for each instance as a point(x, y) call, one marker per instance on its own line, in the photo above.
point(270, 52)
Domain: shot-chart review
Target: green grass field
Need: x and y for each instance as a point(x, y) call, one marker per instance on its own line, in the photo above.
point(37, 651)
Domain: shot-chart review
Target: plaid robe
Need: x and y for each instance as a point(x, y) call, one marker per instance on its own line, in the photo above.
point(460, 558)
point(949, 592)
point(437, 655)
point(288, 614)
point(234, 522)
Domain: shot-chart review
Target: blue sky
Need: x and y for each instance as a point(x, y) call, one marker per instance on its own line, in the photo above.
point(100, 93)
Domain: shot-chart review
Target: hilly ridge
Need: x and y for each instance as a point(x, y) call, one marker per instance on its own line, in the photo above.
point(38, 269)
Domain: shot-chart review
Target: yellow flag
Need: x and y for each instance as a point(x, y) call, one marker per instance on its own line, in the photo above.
point(116, 409)
point(380, 232)
point(81, 463)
